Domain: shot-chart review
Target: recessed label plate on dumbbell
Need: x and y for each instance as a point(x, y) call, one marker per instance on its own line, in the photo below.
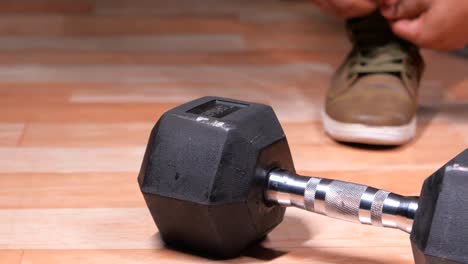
point(216, 108)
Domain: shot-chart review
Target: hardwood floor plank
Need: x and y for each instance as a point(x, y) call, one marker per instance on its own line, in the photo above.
point(459, 91)
point(85, 113)
point(82, 83)
point(437, 65)
point(20, 24)
point(425, 152)
point(11, 256)
point(208, 40)
point(86, 134)
point(312, 156)
point(258, 57)
point(143, 43)
point(10, 134)
point(123, 228)
point(263, 75)
point(69, 190)
point(325, 158)
point(109, 25)
point(123, 134)
point(28, 95)
point(133, 228)
point(120, 190)
point(69, 160)
point(463, 129)
point(164, 34)
point(210, 7)
point(135, 134)
point(150, 25)
point(390, 255)
point(304, 109)
point(309, 14)
point(90, 25)
point(244, 89)
point(308, 42)
point(46, 6)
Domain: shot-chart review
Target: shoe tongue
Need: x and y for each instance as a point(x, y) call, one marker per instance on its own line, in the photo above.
point(370, 31)
point(388, 51)
point(382, 56)
point(378, 52)
point(373, 38)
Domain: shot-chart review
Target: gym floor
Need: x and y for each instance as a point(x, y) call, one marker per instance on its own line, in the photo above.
point(82, 83)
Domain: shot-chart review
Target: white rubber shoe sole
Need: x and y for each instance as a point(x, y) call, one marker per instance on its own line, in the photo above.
point(374, 135)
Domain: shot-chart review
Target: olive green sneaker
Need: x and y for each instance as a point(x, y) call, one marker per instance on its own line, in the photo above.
point(373, 95)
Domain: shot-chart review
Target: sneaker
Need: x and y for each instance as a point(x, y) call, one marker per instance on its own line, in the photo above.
point(373, 95)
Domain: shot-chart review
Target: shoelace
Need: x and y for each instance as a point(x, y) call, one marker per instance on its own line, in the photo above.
point(387, 58)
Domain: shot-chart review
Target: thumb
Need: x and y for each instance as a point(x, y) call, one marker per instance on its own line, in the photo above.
point(410, 29)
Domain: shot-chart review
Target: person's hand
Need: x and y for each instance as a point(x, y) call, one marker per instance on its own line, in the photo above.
point(438, 24)
point(347, 8)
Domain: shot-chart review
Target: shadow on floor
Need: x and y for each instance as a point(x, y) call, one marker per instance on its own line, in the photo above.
point(260, 253)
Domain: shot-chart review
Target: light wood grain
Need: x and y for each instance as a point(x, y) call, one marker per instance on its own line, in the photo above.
point(133, 228)
point(86, 134)
point(69, 190)
point(11, 256)
point(119, 190)
point(66, 160)
point(264, 74)
point(74, 57)
point(46, 6)
point(210, 7)
point(325, 158)
point(269, 92)
point(91, 228)
point(82, 83)
point(31, 25)
point(164, 43)
point(307, 157)
point(10, 134)
point(391, 255)
point(86, 113)
point(91, 25)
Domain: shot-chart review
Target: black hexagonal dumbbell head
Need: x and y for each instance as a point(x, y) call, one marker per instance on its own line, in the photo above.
point(440, 229)
point(203, 173)
point(211, 164)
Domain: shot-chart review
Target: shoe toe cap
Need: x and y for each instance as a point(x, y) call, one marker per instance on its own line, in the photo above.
point(374, 102)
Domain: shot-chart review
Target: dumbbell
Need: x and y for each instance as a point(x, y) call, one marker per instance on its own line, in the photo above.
point(217, 176)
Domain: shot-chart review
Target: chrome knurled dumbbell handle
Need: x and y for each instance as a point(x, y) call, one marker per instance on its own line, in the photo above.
point(342, 200)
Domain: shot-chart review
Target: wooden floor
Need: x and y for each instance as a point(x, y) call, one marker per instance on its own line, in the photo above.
point(82, 83)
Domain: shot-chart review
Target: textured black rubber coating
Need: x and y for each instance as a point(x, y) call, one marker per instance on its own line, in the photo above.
point(204, 174)
point(440, 229)
point(204, 170)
